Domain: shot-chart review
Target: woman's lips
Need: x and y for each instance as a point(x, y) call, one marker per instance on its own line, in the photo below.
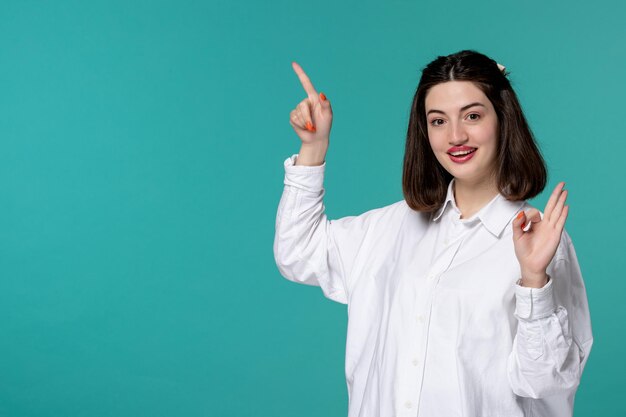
point(461, 154)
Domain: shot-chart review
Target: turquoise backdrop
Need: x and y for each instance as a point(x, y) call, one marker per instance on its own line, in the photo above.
point(141, 165)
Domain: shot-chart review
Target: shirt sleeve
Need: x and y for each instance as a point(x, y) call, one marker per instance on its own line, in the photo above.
point(553, 338)
point(308, 247)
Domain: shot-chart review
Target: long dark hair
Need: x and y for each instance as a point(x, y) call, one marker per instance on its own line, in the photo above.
point(520, 170)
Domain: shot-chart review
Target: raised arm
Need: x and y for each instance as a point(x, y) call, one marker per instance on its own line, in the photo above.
point(309, 248)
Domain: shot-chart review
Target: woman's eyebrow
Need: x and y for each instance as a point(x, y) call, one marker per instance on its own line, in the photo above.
point(467, 106)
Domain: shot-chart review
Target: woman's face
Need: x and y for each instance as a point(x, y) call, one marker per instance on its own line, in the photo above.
point(462, 130)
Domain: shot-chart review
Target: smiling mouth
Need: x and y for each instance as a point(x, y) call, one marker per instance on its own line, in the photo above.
point(462, 153)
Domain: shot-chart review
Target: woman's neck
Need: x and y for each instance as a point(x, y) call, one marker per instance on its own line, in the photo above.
point(471, 197)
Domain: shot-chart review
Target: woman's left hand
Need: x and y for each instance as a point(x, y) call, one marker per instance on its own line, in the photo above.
point(536, 247)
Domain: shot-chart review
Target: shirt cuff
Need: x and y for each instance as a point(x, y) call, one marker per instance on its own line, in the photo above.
point(310, 178)
point(534, 303)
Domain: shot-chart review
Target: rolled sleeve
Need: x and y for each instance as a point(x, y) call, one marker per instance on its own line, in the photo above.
point(305, 177)
point(534, 303)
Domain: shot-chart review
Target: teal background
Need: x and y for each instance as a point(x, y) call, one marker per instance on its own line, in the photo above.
point(141, 165)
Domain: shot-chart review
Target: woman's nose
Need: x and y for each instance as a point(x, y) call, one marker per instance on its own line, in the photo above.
point(459, 135)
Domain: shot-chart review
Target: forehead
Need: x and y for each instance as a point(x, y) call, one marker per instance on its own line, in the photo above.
point(454, 95)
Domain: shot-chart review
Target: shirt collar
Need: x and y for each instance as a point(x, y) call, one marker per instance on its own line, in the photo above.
point(449, 200)
point(494, 216)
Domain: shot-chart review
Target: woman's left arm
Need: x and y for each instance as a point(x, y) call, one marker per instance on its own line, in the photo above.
point(554, 336)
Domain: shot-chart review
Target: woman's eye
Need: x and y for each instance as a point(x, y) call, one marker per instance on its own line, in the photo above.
point(473, 116)
point(435, 122)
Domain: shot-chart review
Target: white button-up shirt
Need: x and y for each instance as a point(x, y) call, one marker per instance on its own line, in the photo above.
point(437, 323)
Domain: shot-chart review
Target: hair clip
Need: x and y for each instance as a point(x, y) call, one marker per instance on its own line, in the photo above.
point(502, 68)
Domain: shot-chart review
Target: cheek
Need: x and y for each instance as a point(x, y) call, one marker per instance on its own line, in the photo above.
point(487, 138)
point(439, 151)
point(435, 140)
point(491, 146)
point(491, 135)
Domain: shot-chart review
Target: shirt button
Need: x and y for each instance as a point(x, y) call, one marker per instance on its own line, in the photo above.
point(416, 362)
point(408, 404)
point(446, 241)
point(431, 276)
point(420, 319)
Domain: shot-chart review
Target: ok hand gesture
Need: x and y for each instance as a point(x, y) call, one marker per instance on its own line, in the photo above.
point(313, 117)
point(536, 247)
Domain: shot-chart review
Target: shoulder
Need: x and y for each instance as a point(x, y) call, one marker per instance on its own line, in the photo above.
point(392, 212)
point(381, 219)
point(398, 211)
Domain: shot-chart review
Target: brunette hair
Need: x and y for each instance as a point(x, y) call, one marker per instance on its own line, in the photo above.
point(520, 171)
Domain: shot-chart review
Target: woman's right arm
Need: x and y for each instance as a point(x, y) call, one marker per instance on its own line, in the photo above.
point(308, 247)
point(302, 241)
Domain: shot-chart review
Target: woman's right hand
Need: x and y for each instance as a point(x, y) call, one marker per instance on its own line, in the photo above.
point(313, 117)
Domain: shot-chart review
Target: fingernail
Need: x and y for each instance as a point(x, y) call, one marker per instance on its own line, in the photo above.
point(323, 96)
point(310, 127)
point(523, 225)
point(526, 227)
point(519, 215)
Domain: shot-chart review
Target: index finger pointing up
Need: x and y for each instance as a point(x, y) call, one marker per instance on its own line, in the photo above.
point(304, 79)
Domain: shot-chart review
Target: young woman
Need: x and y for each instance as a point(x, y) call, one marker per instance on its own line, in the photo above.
point(463, 300)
